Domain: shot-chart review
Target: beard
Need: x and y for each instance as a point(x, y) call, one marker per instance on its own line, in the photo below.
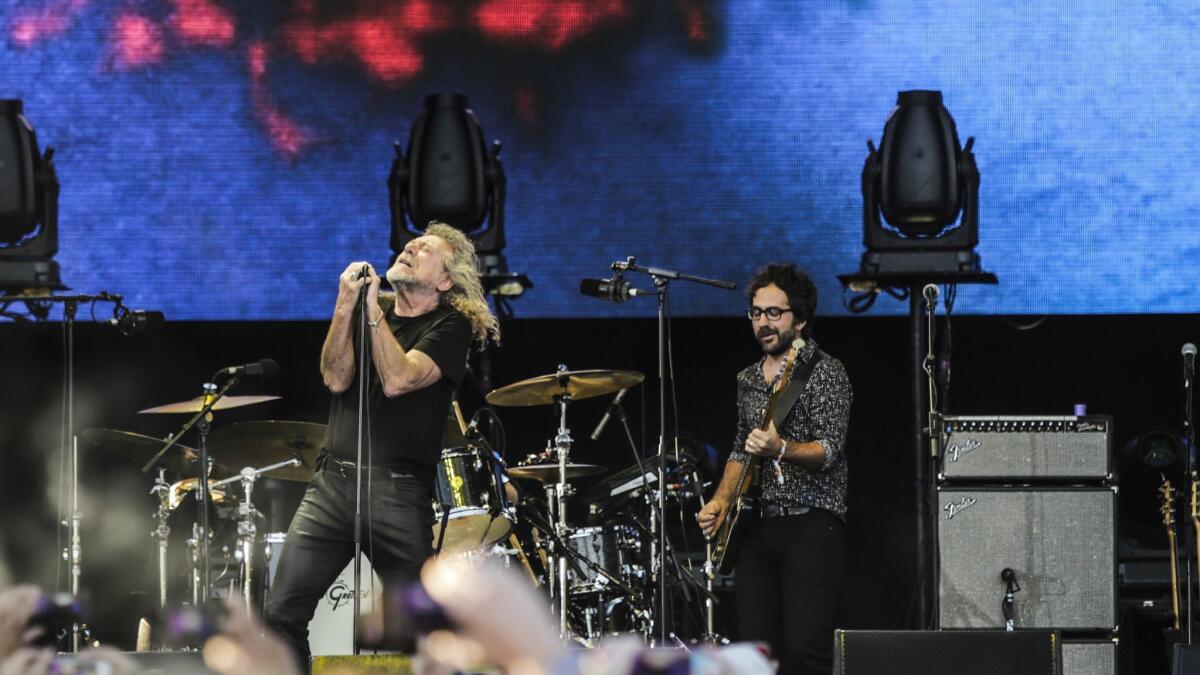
point(400, 279)
point(784, 338)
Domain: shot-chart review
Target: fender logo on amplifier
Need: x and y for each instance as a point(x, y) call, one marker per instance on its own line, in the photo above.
point(954, 508)
point(956, 449)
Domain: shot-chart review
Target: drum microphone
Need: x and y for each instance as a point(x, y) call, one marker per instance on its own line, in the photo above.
point(608, 414)
point(615, 289)
point(267, 368)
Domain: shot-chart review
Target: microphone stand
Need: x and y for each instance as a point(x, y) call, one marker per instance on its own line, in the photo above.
point(33, 300)
point(662, 278)
point(364, 381)
point(200, 420)
point(1190, 434)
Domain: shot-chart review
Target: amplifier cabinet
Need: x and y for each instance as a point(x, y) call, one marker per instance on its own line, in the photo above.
point(1025, 448)
point(1059, 543)
point(989, 652)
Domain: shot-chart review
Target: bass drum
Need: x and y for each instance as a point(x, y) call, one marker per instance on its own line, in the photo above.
point(469, 486)
point(331, 631)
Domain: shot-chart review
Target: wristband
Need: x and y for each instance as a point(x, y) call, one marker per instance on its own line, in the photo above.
point(374, 324)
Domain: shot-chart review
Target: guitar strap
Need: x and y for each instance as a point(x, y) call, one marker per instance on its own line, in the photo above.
point(795, 387)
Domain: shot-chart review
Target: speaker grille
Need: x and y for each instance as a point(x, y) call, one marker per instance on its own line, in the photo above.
point(1059, 542)
point(1089, 657)
point(1001, 448)
point(946, 652)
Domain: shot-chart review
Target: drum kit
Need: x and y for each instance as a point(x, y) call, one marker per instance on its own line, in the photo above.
point(600, 578)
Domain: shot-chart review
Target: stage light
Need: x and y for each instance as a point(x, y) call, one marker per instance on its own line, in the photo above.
point(921, 180)
point(28, 206)
point(449, 174)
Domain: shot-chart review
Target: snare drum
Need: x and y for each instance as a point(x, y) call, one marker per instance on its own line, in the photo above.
point(469, 483)
point(613, 548)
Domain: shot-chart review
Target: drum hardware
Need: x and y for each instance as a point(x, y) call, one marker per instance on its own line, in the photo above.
point(162, 490)
point(201, 420)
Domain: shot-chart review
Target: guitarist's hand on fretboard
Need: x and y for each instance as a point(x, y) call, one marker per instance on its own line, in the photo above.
point(712, 515)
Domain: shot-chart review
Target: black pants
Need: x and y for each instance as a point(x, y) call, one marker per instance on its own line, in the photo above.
point(788, 572)
point(397, 538)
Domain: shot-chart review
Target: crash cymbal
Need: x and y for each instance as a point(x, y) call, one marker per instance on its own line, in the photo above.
point(262, 443)
point(180, 459)
point(193, 406)
point(548, 473)
point(577, 384)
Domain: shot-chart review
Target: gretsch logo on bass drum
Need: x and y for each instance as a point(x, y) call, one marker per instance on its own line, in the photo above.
point(954, 508)
point(341, 594)
point(955, 450)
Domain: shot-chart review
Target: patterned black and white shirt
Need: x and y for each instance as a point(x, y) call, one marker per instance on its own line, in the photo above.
point(820, 414)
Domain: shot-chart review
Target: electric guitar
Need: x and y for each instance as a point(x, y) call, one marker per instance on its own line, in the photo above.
point(1168, 514)
point(732, 530)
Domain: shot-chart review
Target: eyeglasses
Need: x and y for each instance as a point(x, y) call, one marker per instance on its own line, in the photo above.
point(773, 313)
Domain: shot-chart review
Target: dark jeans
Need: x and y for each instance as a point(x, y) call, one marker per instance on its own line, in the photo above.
point(320, 542)
point(788, 572)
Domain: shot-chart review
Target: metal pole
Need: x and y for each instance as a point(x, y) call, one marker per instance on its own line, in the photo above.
point(659, 564)
point(920, 458)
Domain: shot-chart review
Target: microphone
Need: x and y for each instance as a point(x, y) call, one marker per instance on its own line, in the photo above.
point(1189, 360)
point(608, 414)
point(1009, 577)
point(615, 289)
point(267, 368)
point(136, 321)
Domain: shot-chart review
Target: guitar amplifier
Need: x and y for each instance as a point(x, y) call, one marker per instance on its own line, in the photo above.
point(1023, 448)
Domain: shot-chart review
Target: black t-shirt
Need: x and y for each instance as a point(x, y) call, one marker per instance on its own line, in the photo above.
point(405, 431)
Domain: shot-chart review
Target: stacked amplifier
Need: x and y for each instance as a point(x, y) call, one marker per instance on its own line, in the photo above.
point(1026, 527)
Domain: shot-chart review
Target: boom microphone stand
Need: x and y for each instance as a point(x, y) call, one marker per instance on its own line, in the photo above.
point(662, 279)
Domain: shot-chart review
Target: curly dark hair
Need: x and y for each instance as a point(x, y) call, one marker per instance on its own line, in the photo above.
point(801, 293)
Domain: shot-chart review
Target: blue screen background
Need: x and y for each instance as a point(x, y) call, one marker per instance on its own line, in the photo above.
point(709, 158)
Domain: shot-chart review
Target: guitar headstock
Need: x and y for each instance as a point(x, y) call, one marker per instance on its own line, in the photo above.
point(789, 363)
point(1195, 497)
point(1167, 492)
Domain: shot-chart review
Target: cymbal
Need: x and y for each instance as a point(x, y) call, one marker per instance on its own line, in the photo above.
point(578, 384)
point(548, 473)
point(180, 459)
point(194, 405)
point(262, 443)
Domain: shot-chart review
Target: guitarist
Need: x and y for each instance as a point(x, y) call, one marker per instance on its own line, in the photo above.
point(789, 562)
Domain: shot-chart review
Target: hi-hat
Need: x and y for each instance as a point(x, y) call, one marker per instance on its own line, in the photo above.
point(576, 384)
point(262, 443)
point(548, 473)
point(180, 459)
point(195, 405)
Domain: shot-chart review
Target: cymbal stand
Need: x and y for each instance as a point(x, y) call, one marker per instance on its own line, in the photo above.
point(247, 530)
point(162, 490)
point(556, 496)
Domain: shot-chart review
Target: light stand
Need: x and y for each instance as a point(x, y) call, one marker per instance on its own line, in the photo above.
point(658, 552)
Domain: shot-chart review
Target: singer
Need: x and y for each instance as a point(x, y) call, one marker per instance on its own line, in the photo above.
point(789, 563)
point(418, 340)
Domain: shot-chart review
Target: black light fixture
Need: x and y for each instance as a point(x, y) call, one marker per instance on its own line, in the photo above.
point(28, 206)
point(449, 174)
point(920, 179)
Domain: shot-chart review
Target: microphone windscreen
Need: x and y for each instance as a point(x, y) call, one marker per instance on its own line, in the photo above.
point(1189, 349)
point(269, 367)
point(591, 287)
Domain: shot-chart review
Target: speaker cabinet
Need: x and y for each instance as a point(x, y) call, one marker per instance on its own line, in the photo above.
point(1034, 652)
point(1059, 542)
point(1089, 657)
